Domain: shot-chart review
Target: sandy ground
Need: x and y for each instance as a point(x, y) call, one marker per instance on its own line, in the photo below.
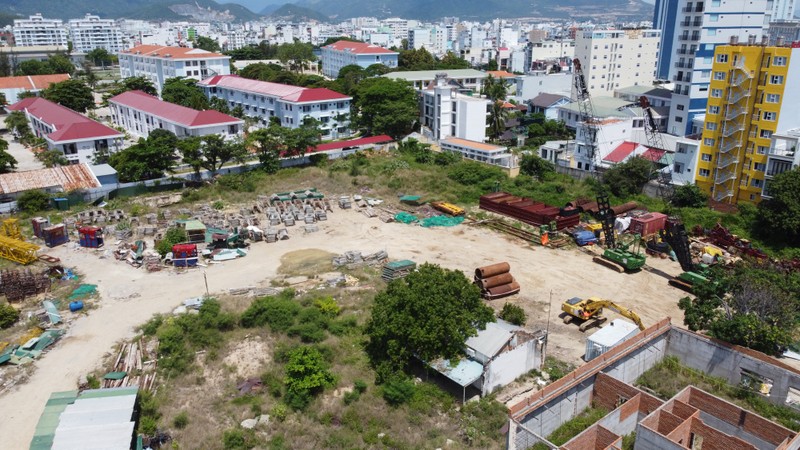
point(25, 158)
point(130, 296)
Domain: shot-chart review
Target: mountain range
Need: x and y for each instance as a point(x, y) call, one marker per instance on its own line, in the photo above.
point(227, 10)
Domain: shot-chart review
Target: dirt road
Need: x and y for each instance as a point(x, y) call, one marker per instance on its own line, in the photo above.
point(130, 296)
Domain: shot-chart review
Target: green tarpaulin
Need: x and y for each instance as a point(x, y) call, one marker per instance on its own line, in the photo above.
point(404, 217)
point(442, 221)
point(83, 291)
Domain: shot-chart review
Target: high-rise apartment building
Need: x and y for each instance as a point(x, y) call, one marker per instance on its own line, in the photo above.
point(690, 31)
point(36, 30)
point(783, 10)
point(752, 96)
point(617, 58)
point(92, 32)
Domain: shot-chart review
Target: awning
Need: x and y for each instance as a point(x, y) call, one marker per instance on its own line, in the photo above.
point(464, 373)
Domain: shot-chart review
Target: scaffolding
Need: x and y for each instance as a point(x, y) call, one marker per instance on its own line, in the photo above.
point(17, 251)
point(11, 229)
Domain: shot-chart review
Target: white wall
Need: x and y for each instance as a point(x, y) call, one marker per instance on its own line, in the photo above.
point(510, 365)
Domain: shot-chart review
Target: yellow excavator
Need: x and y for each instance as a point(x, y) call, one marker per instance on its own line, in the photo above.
point(589, 312)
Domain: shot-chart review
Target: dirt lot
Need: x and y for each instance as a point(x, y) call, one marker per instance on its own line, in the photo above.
point(131, 296)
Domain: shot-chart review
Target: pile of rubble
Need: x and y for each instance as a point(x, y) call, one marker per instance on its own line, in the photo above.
point(354, 259)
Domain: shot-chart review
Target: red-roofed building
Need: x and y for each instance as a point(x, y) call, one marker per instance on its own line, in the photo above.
point(159, 63)
point(77, 136)
point(140, 113)
point(289, 104)
point(620, 153)
point(345, 53)
point(11, 87)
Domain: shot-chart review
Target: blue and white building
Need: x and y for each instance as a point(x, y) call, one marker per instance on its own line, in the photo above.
point(690, 31)
point(346, 53)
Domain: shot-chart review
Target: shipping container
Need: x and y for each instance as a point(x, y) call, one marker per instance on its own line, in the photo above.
point(647, 224)
point(606, 338)
point(91, 237)
point(184, 255)
point(55, 235)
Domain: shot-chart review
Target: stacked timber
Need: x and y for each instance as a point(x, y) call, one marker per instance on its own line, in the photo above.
point(496, 281)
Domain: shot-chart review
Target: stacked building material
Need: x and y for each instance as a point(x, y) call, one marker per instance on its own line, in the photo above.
point(18, 284)
point(344, 202)
point(527, 210)
point(397, 269)
point(496, 281)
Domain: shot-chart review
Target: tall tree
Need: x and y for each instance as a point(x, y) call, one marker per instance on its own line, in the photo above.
point(495, 88)
point(268, 143)
point(135, 84)
point(100, 57)
point(296, 55)
point(185, 92)
point(628, 178)
point(217, 152)
point(149, 158)
point(414, 59)
point(5, 65)
point(498, 116)
point(452, 61)
point(60, 63)
point(429, 315)
point(7, 161)
point(73, 93)
point(386, 106)
point(191, 153)
point(260, 71)
point(88, 74)
point(206, 43)
point(34, 67)
point(780, 214)
point(17, 122)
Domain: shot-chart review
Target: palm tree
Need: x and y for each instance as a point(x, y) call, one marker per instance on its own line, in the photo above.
point(498, 115)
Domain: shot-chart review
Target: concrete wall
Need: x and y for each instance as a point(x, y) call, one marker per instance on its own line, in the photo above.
point(647, 439)
point(544, 420)
point(510, 365)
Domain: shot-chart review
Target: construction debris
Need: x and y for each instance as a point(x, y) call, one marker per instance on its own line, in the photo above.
point(134, 358)
point(353, 259)
point(16, 285)
point(397, 269)
point(495, 281)
point(31, 348)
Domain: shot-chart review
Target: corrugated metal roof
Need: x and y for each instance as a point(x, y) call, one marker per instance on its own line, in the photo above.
point(621, 152)
point(491, 340)
point(359, 48)
point(464, 373)
point(71, 177)
point(611, 334)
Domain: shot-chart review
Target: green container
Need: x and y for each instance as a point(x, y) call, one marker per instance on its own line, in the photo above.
point(61, 204)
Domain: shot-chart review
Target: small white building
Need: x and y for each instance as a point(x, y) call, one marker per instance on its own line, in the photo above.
point(465, 79)
point(547, 104)
point(346, 53)
point(290, 104)
point(159, 63)
point(782, 157)
point(77, 136)
point(447, 113)
point(606, 338)
point(140, 113)
point(92, 32)
point(36, 31)
point(495, 155)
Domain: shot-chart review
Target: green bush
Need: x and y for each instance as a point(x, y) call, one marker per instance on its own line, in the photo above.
point(360, 386)
point(514, 314)
point(238, 439)
point(148, 426)
point(273, 383)
point(398, 390)
point(343, 326)
point(328, 306)
point(93, 382)
point(151, 326)
point(181, 420)
point(279, 412)
point(318, 159)
point(689, 196)
point(33, 201)
point(350, 397)
point(8, 315)
point(307, 374)
point(175, 235)
point(277, 312)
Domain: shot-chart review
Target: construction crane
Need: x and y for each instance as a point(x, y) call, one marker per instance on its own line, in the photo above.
point(655, 140)
point(587, 111)
point(618, 256)
point(590, 312)
point(674, 234)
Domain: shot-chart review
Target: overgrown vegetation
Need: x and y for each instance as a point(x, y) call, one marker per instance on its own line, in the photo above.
point(669, 376)
point(33, 201)
point(573, 427)
point(513, 313)
point(172, 236)
point(555, 368)
point(8, 315)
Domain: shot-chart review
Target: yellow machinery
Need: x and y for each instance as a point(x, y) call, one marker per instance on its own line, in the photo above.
point(448, 208)
point(590, 312)
point(11, 229)
point(13, 245)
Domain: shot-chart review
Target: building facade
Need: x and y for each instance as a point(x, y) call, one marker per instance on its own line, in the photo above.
point(690, 31)
point(782, 157)
point(36, 30)
point(346, 53)
point(617, 58)
point(467, 79)
point(289, 104)
point(75, 135)
point(92, 32)
point(446, 113)
point(140, 113)
point(159, 63)
point(11, 87)
point(752, 96)
point(495, 155)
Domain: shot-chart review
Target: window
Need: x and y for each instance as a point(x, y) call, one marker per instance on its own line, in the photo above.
point(713, 17)
point(716, 93)
point(719, 76)
point(722, 58)
point(680, 107)
point(711, 126)
point(776, 79)
point(766, 134)
point(713, 109)
point(704, 172)
point(715, 3)
point(779, 61)
point(755, 182)
point(708, 142)
point(678, 119)
point(760, 167)
point(711, 32)
point(769, 116)
point(762, 150)
point(773, 98)
point(706, 157)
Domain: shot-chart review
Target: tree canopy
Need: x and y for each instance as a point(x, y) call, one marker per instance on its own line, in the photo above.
point(307, 374)
point(386, 106)
point(428, 314)
point(296, 55)
point(628, 178)
point(149, 158)
point(184, 92)
point(207, 44)
point(75, 94)
point(7, 161)
point(101, 57)
point(134, 84)
point(216, 152)
point(534, 166)
point(422, 59)
point(780, 214)
point(689, 196)
point(55, 63)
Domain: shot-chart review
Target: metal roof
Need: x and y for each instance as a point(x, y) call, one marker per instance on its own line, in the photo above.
point(71, 177)
point(179, 114)
point(493, 338)
point(69, 125)
point(423, 75)
point(100, 170)
point(607, 107)
point(614, 332)
point(464, 373)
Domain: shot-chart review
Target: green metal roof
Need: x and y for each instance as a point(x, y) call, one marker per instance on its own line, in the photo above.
point(192, 225)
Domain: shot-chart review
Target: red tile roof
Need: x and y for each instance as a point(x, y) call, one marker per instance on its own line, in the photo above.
point(160, 51)
point(71, 177)
point(286, 92)
point(359, 48)
point(69, 125)
point(174, 113)
point(621, 152)
point(653, 154)
point(382, 139)
point(32, 82)
point(500, 73)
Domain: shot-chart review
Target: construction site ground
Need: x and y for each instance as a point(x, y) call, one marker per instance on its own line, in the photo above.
point(131, 296)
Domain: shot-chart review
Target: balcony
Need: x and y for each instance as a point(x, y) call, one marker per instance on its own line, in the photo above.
point(726, 160)
point(734, 112)
point(728, 145)
point(684, 65)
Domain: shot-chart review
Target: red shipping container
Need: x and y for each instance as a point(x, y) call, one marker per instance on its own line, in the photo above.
point(648, 224)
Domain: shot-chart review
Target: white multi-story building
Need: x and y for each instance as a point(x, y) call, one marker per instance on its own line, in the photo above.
point(397, 26)
point(783, 10)
point(139, 114)
point(158, 63)
point(783, 156)
point(690, 32)
point(617, 58)
point(36, 31)
point(495, 155)
point(92, 32)
point(421, 38)
point(289, 104)
point(345, 53)
point(551, 50)
point(78, 137)
point(464, 79)
point(446, 113)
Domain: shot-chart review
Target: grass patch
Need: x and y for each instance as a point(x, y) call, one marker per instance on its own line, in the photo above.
point(573, 427)
point(556, 368)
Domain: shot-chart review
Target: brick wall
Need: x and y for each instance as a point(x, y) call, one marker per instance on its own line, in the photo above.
point(681, 409)
point(716, 440)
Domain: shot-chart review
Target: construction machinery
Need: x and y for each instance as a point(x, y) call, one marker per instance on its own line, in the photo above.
point(622, 257)
point(674, 234)
point(448, 208)
point(662, 176)
point(589, 312)
point(584, 101)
